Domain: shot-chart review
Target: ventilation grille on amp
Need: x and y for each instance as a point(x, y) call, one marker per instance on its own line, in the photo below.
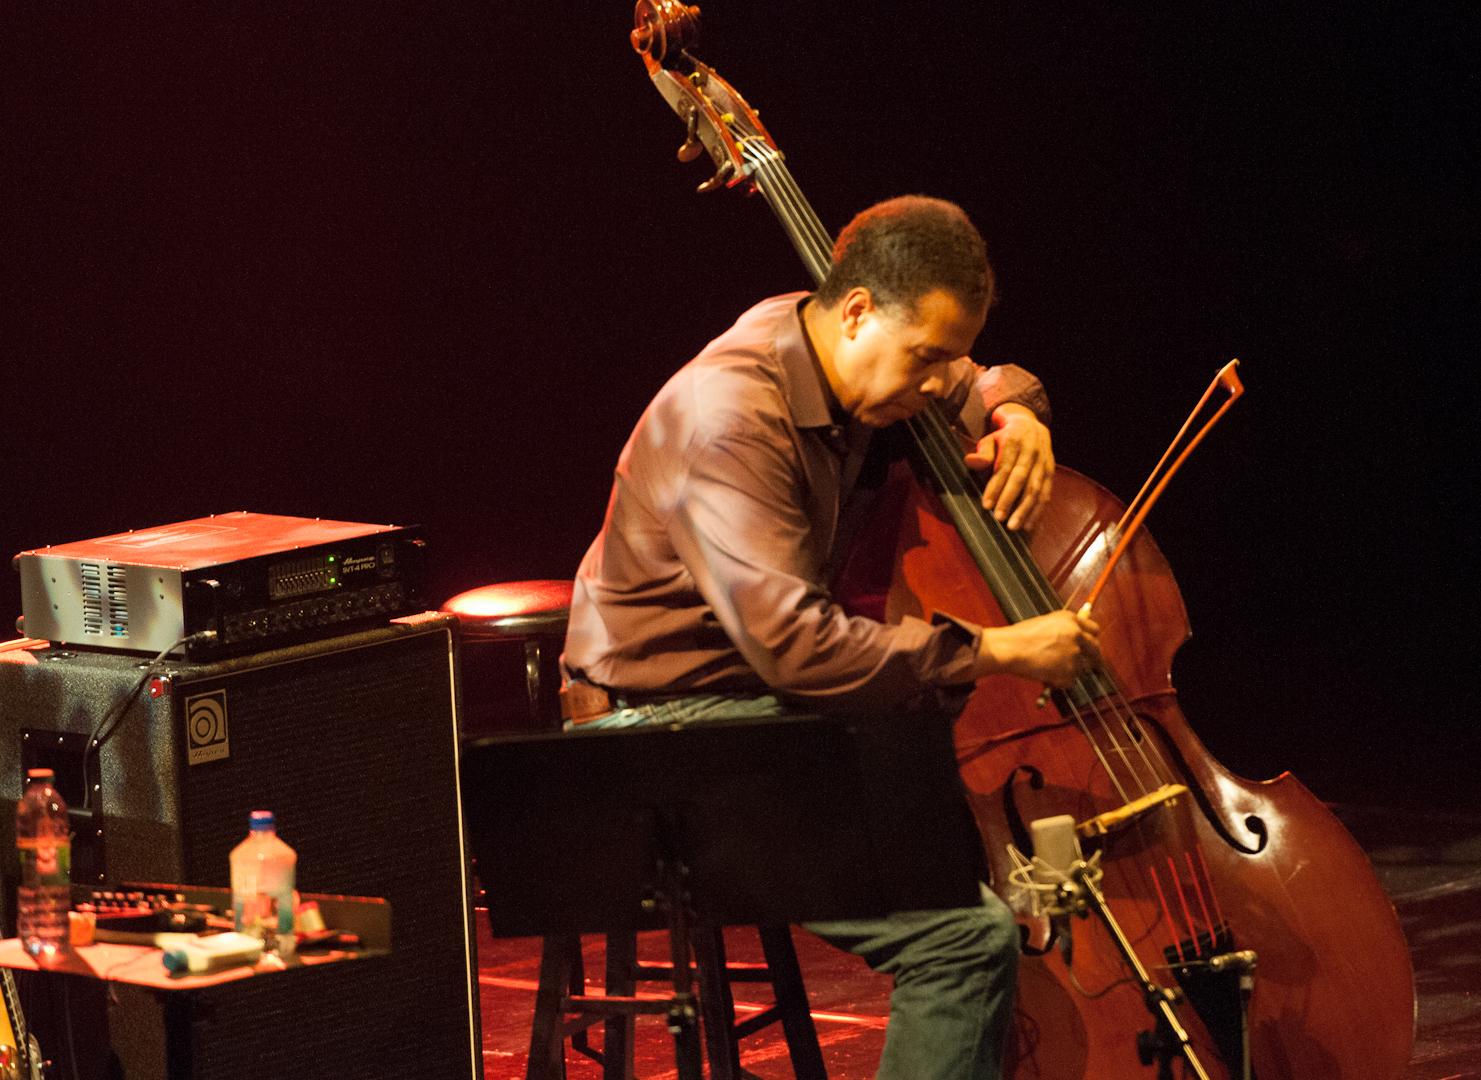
point(105, 600)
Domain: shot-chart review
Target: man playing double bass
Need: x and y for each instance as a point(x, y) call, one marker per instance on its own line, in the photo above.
point(706, 594)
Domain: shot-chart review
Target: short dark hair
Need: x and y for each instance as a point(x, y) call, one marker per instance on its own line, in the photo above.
point(904, 248)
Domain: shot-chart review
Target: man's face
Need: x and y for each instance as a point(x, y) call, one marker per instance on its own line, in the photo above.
point(889, 364)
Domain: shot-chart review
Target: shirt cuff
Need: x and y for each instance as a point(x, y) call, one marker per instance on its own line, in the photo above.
point(998, 386)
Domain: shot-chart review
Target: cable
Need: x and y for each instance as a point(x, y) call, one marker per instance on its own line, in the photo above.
point(114, 716)
point(1103, 991)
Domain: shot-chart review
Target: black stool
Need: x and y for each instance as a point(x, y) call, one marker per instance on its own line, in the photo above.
point(563, 990)
point(494, 619)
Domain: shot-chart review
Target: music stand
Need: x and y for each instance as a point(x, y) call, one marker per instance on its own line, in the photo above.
point(735, 822)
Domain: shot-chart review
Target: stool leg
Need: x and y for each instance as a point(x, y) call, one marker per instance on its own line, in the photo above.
point(716, 1006)
point(617, 1038)
point(577, 984)
point(684, 1025)
point(547, 1047)
point(791, 996)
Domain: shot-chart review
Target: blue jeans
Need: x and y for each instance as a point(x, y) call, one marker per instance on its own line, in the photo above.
point(954, 970)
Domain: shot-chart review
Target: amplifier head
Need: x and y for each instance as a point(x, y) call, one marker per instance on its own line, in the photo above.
point(252, 580)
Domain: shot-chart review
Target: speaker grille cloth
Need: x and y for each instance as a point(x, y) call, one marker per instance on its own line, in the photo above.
point(355, 752)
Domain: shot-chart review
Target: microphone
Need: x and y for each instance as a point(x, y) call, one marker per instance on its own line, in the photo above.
point(1058, 881)
point(1056, 845)
point(1058, 849)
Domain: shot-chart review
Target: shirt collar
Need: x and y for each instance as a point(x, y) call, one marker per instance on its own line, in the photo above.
point(809, 396)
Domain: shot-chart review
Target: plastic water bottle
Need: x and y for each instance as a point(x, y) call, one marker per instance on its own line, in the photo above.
point(44, 838)
point(262, 873)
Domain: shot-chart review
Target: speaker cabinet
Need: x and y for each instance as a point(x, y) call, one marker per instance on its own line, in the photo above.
point(353, 744)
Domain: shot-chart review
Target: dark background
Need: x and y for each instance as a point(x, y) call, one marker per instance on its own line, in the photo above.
point(426, 262)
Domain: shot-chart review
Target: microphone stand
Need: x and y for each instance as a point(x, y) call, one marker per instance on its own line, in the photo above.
point(1170, 1039)
point(1062, 884)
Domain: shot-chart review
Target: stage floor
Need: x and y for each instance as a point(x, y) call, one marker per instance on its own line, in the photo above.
point(1430, 865)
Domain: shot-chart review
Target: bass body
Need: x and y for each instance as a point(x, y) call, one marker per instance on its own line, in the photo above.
point(1259, 866)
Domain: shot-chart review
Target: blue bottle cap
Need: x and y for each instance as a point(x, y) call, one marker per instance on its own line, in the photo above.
point(262, 821)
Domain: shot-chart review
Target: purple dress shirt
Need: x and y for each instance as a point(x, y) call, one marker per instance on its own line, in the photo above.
point(708, 574)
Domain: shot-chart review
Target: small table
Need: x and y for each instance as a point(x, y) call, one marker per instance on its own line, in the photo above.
point(143, 965)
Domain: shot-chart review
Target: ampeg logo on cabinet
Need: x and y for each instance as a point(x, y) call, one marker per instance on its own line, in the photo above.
point(205, 722)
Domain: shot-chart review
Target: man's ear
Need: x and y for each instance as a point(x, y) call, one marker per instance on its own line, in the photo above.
point(856, 306)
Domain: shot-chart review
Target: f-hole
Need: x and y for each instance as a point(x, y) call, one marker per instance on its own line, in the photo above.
point(1016, 826)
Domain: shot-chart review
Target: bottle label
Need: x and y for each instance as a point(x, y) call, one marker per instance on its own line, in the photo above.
point(45, 856)
point(261, 915)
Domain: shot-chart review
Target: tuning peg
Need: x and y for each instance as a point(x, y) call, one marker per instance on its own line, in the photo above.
point(692, 146)
point(722, 174)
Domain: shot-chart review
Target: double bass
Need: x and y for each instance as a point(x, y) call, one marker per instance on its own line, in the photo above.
point(1238, 928)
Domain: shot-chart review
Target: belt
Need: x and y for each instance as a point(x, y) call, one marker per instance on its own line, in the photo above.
point(581, 702)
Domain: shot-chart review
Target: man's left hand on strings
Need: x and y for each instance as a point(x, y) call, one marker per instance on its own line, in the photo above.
point(1022, 461)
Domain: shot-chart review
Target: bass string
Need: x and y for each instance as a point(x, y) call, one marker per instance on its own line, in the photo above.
point(1017, 588)
point(819, 245)
point(1107, 709)
point(1154, 841)
point(786, 201)
point(1144, 865)
point(1035, 596)
point(1098, 693)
